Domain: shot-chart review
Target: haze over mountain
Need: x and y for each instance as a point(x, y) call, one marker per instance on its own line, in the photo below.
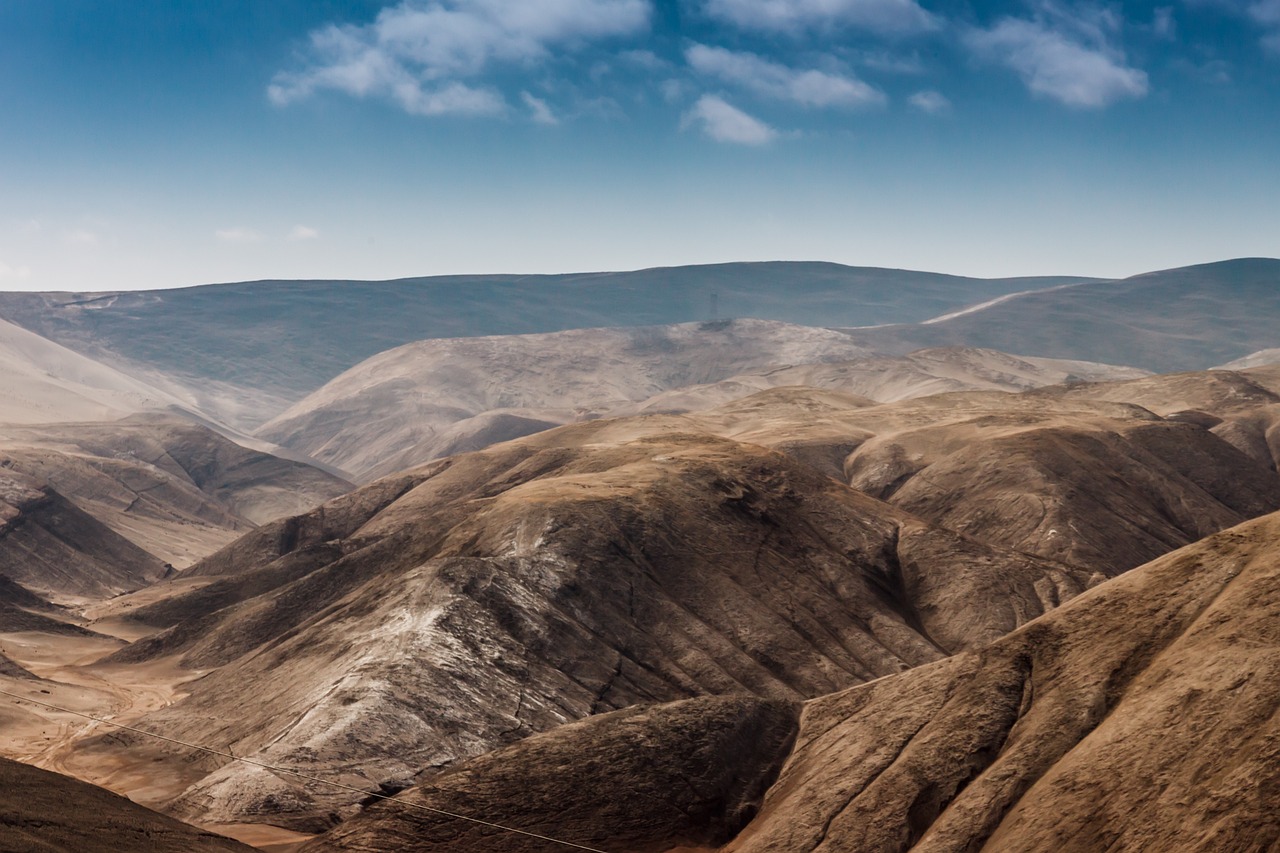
point(43, 382)
point(245, 351)
point(433, 398)
point(746, 518)
point(1190, 318)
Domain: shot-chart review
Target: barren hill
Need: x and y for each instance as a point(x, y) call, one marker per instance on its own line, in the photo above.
point(1058, 473)
point(1140, 716)
point(239, 348)
point(44, 382)
point(52, 547)
point(91, 510)
point(434, 398)
point(1190, 318)
point(374, 418)
point(438, 614)
point(43, 812)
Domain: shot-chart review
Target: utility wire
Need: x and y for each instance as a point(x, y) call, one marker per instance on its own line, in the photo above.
point(273, 768)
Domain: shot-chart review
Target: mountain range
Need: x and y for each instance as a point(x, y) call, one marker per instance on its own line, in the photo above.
point(888, 561)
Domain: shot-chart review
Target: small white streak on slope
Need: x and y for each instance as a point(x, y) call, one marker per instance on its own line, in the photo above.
point(982, 306)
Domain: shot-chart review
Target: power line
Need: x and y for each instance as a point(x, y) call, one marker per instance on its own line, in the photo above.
point(307, 777)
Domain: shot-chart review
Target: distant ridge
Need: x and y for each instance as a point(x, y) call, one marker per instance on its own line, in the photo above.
point(1190, 318)
point(245, 348)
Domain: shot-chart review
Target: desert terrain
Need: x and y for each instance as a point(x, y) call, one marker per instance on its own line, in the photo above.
point(772, 583)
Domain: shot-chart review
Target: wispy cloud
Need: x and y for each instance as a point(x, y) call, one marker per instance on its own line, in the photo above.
point(931, 102)
point(237, 235)
point(893, 17)
point(724, 122)
point(426, 55)
point(809, 88)
point(1067, 55)
point(303, 232)
point(1266, 14)
point(539, 110)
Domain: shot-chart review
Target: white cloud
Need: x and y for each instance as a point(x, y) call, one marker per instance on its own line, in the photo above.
point(929, 101)
point(1067, 57)
point(303, 232)
point(810, 88)
point(881, 16)
point(417, 52)
point(237, 235)
point(13, 273)
point(724, 122)
point(539, 110)
point(1265, 12)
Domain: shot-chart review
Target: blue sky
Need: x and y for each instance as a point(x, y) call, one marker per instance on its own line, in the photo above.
point(154, 143)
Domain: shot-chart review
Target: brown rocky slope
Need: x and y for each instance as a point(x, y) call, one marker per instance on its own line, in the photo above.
point(43, 812)
point(439, 614)
point(1143, 715)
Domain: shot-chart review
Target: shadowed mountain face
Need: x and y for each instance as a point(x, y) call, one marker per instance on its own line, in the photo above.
point(1140, 716)
point(235, 348)
point(1190, 318)
point(43, 812)
point(176, 489)
point(687, 774)
point(433, 616)
point(49, 545)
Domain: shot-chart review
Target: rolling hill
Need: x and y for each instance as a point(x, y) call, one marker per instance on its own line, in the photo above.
point(243, 352)
point(1140, 716)
point(433, 398)
point(435, 615)
point(1190, 318)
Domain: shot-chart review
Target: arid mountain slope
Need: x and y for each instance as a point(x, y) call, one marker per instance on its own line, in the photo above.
point(1141, 716)
point(644, 779)
point(43, 812)
point(1190, 318)
point(439, 614)
point(238, 349)
point(23, 610)
point(52, 547)
point(887, 379)
point(373, 419)
point(1090, 482)
point(44, 382)
point(176, 489)
point(434, 398)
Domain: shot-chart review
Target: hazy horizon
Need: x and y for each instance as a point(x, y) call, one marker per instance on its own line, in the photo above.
point(148, 145)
